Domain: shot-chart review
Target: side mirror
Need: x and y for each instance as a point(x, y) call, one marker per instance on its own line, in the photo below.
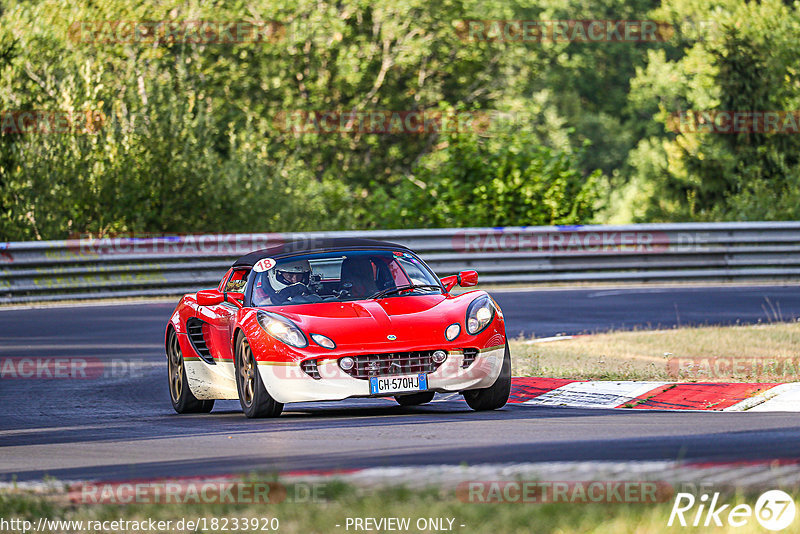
point(209, 297)
point(468, 278)
point(463, 279)
point(450, 282)
point(236, 298)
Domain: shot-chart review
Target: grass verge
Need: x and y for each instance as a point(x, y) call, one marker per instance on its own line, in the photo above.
point(754, 353)
point(342, 501)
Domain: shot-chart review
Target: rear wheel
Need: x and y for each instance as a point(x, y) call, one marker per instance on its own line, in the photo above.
point(415, 399)
point(253, 396)
point(496, 395)
point(183, 401)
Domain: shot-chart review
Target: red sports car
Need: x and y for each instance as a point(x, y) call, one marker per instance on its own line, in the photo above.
point(334, 319)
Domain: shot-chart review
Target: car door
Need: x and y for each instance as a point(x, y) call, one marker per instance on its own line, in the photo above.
point(221, 318)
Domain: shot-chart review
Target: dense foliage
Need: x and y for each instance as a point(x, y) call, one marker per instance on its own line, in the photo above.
point(188, 136)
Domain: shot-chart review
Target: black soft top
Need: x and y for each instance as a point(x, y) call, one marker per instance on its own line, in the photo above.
point(314, 245)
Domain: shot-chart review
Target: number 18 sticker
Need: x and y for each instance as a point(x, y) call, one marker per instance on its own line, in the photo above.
point(264, 265)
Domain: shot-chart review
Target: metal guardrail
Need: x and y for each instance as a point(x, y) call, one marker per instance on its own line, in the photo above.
point(171, 265)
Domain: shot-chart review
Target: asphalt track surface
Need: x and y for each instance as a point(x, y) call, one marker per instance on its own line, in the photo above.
point(122, 426)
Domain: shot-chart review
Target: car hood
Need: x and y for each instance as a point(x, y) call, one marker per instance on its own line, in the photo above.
point(362, 323)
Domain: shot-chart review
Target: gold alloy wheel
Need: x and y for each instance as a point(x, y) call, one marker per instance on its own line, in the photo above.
point(247, 373)
point(175, 368)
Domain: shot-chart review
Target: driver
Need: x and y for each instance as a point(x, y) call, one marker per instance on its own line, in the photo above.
point(290, 273)
point(290, 279)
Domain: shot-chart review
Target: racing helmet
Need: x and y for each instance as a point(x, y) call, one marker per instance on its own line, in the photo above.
point(285, 274)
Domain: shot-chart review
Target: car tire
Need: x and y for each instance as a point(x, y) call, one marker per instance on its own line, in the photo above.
point(496, 395)
point(183, 401)
point(416, 399)
point(253, 396)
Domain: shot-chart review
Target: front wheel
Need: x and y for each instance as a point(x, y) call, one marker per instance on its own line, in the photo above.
point(416, 399)
point(496, 395)
point(253, 396)
point(183, 401)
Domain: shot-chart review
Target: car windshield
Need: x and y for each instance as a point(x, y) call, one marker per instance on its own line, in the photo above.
point(340, 276)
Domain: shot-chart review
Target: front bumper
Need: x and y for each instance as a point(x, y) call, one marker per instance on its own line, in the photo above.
point(287, 382)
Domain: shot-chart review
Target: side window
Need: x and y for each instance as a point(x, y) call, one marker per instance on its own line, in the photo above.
point(237, 281)
point(224, 280)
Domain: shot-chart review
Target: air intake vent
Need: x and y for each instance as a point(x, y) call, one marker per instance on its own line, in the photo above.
point(469, 357)
point(395, 363)
point(194, 327)
point(310, 368)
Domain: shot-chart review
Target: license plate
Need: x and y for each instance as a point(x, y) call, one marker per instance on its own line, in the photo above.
point(394, 384)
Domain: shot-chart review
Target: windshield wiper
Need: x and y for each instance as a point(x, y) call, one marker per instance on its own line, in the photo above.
point(389, 291)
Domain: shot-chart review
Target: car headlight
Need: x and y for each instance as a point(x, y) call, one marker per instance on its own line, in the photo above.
point(282, 329)
point(323, 341)
point(480, 314)
point(452, 331)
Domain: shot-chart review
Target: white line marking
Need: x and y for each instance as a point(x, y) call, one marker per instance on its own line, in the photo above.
point(786, 399)
point(762, 397)
point(546, 339)
point(603, 394)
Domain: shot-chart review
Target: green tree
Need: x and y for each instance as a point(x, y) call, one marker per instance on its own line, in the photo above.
point(745, 61)
point(190, 141)
point(503, 180)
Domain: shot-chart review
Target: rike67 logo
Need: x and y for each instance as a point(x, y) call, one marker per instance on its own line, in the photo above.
point(774, 510)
